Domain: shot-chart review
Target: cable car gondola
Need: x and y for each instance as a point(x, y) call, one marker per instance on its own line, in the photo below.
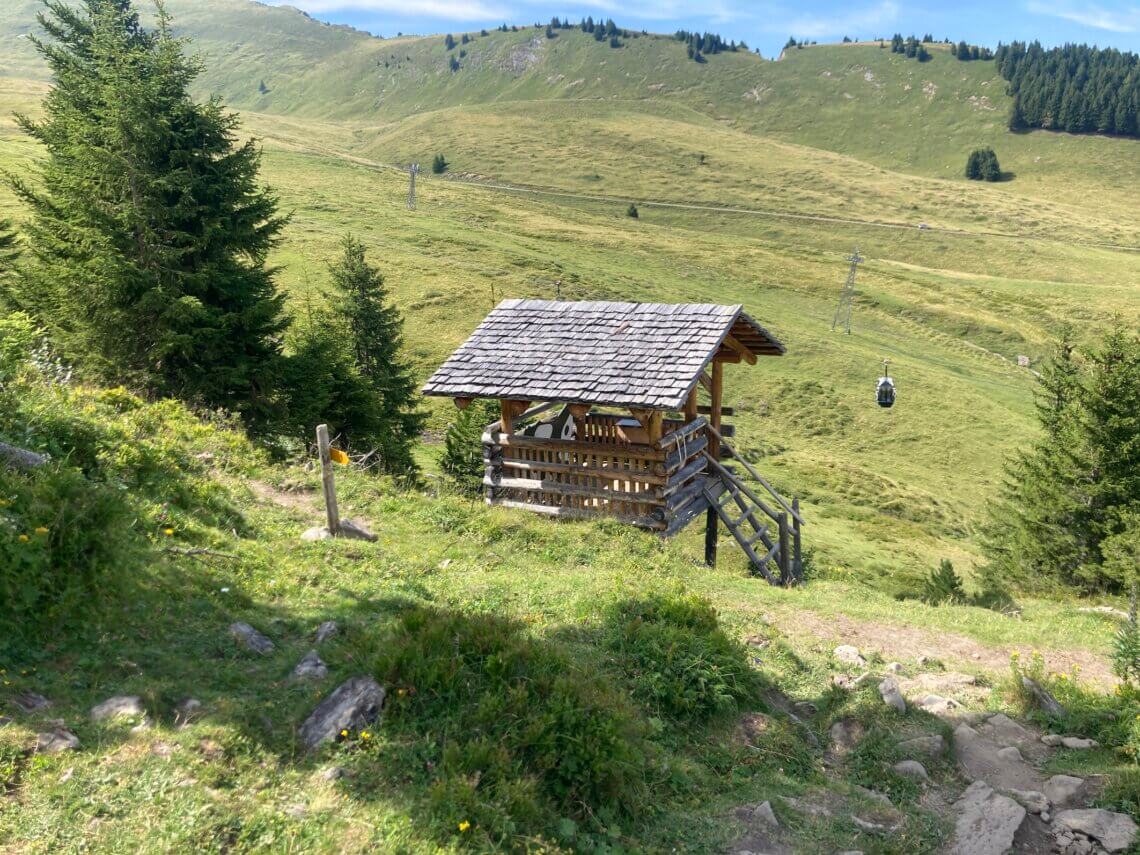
point(885, 391)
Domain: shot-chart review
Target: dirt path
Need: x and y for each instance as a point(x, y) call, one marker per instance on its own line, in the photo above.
point(902, 643)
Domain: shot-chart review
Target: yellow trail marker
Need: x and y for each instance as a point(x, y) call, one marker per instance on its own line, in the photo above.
point(338, 456)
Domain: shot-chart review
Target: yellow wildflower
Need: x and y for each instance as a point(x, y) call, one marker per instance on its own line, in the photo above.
point(364, 734)
point(168, 531)
point(344, 733)
point(23, 538)
point(463, 826)
point(42, 529)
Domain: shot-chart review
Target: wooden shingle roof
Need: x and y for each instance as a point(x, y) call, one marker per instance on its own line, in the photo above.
point(617, 354)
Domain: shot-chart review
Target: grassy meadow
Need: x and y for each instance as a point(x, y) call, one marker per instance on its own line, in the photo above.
point(828, 149)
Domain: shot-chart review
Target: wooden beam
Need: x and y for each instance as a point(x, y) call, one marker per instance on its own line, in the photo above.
point(691, 405)
point(579, 412)
point(736, 345)
point(706, 382)
point(508, 412)
point(462, 403)
point(726, 356)
point(716, 393)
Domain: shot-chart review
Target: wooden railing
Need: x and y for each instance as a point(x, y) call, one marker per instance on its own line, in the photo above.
point(605, 474)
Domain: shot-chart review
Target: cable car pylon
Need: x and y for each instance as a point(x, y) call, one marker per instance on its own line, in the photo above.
point(847, 295)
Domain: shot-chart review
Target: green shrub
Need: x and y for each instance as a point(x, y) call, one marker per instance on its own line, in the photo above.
point(943, 586)
point(1126, 649)
point(677, 659)
point(462, 459)
point(522, 737)
point(17, 338)
point(63, 541)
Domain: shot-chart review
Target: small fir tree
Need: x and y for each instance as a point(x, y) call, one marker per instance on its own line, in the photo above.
point(149, 229)
point(439, 164)
point(449, 41)
point(462, 459)
point(376, 330)
point(631, 211)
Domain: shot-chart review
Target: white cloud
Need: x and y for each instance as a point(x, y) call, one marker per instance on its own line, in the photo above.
point(856, 22)
point(455, 10)
point(1123, 20)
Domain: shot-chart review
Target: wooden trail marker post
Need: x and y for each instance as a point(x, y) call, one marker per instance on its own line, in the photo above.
point(328, 480)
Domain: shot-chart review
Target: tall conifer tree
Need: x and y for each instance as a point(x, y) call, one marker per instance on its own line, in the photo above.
point(377, 334)
point(149, 229)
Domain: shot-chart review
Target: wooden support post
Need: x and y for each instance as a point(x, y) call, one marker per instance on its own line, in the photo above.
point(785, 562)
point(328, 481)
point(797, 558)
point(508, 412)
point(691, 405)
point(711, 523)
point(462, 403)
point(655, 427)
point(717, 394)
point(579, 412)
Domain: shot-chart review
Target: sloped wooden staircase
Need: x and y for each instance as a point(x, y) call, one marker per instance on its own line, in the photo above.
point(750, 518)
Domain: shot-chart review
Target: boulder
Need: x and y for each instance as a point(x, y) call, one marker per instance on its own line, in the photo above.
point(311, 667)
point(923, 746)
point(1009, 754)
point(892, 697)
point(1078, 743)
point(1114, 831)
point(56, 741)
point(354, 704)
point(845, 734)
point(327, 630)
point(938, 705)
point(120, 706)
point(1043, 699)
point(1032, 800)
point(187, 710)
point(980, 760)
point(986, 822)
point(894, 667)
point(764, 814)
point(1063, 789)
point(348, 530)
point(250, 638)
point(849, 655)
point(29, 702)
point(1053, 740)
point(911, 769)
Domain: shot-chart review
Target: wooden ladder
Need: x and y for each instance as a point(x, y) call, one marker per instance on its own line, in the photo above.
point(746, 515)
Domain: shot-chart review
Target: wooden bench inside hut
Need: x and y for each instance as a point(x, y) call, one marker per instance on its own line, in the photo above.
point(615, 409)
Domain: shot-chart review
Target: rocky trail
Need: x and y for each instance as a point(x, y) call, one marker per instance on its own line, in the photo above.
point(986, 781)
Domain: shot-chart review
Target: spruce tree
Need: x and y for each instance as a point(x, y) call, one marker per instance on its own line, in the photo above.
point(439, 164)
point(149, 230)
point(376, 330)
point(462, 459)
point(9, 251)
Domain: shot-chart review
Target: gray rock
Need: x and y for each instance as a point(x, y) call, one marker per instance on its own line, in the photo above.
point(348, 530)
point(849, 655)
point(1078, 743)
point(187, 710)
point(120, 706)
point(56, 741)
point(878, 825)
point(355, 703)
point(334, 773)
point(250, 638)
point(911, 769)
point(892, 697)
point(327, 630)
point(938, 705)
point(312, 667)
point(979, 760)
point(1114, 831)
point(1043, 699)
point(845, 734)
point(765, 815)
point(923, 746)
point(894, 667)
point(1032, 800)
point(1005, 731)
point(29, 702)
point(355, 531)
point(1053, 740)
point(1009, 754)
point(1062, 789)
point(986, 823)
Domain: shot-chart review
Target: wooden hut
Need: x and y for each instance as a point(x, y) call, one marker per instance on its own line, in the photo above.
point(629, 438)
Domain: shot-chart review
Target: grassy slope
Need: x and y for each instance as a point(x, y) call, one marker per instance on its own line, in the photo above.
point(887, 493)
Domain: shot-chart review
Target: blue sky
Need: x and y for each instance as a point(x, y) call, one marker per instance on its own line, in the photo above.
point(765, 23)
